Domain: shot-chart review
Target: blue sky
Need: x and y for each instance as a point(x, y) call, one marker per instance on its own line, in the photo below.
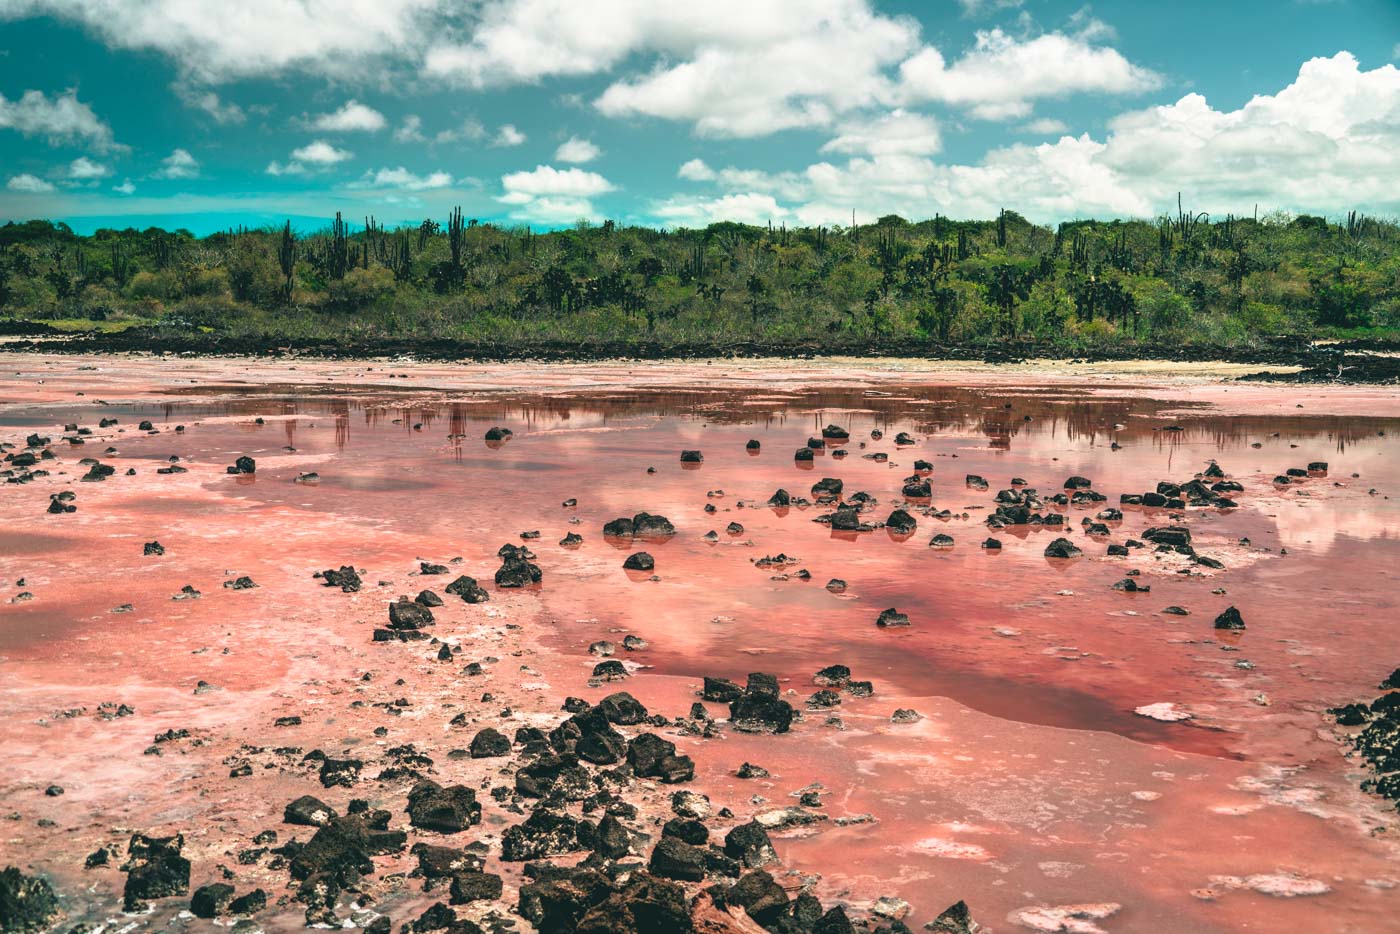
point(202, 115)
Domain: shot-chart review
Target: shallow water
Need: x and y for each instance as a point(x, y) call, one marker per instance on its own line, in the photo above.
point(1029, 783)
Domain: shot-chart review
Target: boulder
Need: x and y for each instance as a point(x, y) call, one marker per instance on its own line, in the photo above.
point(1062, 548)
point(1230, 619)
point(445, 810)
point(891, 617)
point(640, 561)
point(468, 589)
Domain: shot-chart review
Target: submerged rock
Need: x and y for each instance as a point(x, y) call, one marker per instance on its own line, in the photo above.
point(1230, 619)
point(891, 617)
point(1062, 548)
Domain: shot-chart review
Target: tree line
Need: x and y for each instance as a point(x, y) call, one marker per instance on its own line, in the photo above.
point(1185, 277)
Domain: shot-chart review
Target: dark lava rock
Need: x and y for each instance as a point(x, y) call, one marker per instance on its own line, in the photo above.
point(571, 538)
point(720, 690)
point(244, 464)
point(544, 833)
point(833, 676)
point(1062, 548)
point(347, 579)
point(892, 617)
point(1230, 619)
point(641, 561)
point(516, 570)
point(153, 548)
point(955, 919)
point(749, 844)
point(780, 498)
point(1078, 483)
point(499, 434)
point(835, 433)
point(828, 486)
point(559, 897)
point(675, 859)
point(307, 811)
point(489, 743)
point(211, 900)
point(441, 862)
point(1176, 611)
point(753, 445)
point(1351, 714)
point(425, 567)
point(470, 887)
point(610, 670)
point(991, 544)
point(803, 454)
point(340, 772)
point(901, 522)
point(249, 903)
point(622, 708)
point(427, 598)
point(836, 585)
point(26, 902)
point(407, 616)
point(468, 589)
point(445, 810)
point(1173, 535)
point(650, 756)
point(941, 540)
point(646, 905)
point(340, 850)
point(904, 438)
point(692, 457)
point(916, 487)
point(155, 869)
point(754, 712)
point(760, 896)
point(762, 683)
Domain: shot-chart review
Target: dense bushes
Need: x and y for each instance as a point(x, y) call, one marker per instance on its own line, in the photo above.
point(1180, 279)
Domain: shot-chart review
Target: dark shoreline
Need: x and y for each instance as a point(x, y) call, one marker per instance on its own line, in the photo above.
point(1350, 362)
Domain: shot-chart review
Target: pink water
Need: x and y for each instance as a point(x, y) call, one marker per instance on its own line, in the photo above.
point(1030, 781)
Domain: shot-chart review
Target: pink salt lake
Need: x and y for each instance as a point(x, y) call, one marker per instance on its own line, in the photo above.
point(1029, 787)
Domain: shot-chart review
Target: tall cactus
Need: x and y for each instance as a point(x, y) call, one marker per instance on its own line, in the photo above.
point(287, 257)
point(338, 260)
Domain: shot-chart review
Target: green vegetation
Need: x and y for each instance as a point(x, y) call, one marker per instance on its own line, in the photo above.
point(1187, 279)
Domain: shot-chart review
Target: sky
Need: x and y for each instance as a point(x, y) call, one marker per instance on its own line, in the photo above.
point(206, 115)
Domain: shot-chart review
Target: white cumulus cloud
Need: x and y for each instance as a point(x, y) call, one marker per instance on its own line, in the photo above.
point(1001, 76)
point(1328, 142)
point(350, 118)
point(59, 119)
point(508, 135)
point(179, 164)
point(575, 149)
point(696, 170)
point(894, 133)
point(552, 195)
point(28, 184)
point(84, 169)
point(216, 42)
point(320, 152)
point(401, 178)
